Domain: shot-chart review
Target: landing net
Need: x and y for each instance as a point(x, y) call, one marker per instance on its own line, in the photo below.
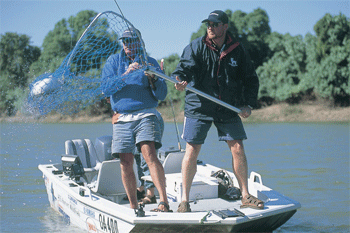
point(76, 84)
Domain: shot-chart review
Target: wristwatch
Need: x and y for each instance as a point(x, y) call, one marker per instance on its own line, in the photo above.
point(154, 79)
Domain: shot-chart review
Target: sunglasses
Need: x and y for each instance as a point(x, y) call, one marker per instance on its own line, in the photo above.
point(130, 40)
point(213, 25)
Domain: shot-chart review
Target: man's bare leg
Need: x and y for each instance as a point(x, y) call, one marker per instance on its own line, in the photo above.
point(239, 164)
point(189, 168)
point(128, 178)
point(240, 167)
point(156, 169)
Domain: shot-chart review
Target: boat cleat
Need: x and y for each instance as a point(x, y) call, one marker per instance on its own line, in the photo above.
point(140, 212)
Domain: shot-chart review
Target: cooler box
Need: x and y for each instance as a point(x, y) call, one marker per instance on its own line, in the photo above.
point(202, 187)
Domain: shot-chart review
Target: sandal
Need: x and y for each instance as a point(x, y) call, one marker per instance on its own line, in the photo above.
point(140, 195)
point(250, 201)
point(184, 207)
point(148, 200)
point(160, 210)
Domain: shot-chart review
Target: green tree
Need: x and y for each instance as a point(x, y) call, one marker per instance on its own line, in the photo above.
point(251, 29)
point(328, 59)
point(170, 64)
point(16, 57)
point(61, 40)
point(281, 75)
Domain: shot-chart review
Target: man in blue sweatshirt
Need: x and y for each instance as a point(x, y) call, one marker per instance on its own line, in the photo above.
point(134, 97)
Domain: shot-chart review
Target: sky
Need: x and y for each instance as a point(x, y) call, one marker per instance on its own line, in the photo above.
point(166, 25)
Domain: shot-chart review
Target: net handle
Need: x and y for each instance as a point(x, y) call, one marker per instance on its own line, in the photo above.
point(128, 24)
point(151, 70)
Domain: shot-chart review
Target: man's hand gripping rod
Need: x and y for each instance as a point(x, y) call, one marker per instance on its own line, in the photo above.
point(151, 70)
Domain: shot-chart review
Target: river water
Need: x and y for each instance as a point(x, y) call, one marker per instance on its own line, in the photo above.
point(308, 162)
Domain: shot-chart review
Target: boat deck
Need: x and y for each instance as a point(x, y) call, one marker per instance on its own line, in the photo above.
point(198, 206)
point(207, 211)
point(273, 202)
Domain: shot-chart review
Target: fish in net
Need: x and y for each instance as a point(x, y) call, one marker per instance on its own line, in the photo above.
point(77, 83)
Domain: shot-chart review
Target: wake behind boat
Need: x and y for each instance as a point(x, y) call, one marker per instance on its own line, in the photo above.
point(87, 190)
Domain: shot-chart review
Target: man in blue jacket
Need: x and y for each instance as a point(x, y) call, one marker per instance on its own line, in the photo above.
point(218, 65)
point(136, 122)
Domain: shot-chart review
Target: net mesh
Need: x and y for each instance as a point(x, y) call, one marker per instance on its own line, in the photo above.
point(76, 84)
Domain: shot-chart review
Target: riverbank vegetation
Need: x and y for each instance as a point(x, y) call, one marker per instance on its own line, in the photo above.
point(306, 112)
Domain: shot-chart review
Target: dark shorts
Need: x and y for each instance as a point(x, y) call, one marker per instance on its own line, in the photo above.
point(195, 130)
point(128, 135)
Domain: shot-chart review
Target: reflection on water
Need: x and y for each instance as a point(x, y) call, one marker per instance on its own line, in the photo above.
point(307, 162)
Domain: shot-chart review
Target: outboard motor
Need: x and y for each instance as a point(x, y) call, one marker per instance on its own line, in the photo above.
point(103, 146)
point(163, 152)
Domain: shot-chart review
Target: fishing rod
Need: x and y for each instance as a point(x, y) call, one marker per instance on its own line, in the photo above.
point(172, 107)
point(151, 70)
point(176, 128)
point(122, 14)
point(137, 33)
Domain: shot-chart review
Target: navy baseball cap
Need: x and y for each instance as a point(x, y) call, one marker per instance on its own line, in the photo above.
point(217, 17)
point(130, 33)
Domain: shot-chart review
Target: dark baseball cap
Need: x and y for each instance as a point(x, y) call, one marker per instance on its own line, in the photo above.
point(130, 33)
point(217, 17)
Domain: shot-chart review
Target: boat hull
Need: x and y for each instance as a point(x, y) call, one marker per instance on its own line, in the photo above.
point(95, 213)
point(267, 224)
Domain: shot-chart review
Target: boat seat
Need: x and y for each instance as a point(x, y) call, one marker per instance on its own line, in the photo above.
point(171, 164)
point(173, 161)
point(109, 180)
point(85, 149)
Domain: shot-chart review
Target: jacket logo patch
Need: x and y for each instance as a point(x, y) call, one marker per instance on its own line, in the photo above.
point(233, 63)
